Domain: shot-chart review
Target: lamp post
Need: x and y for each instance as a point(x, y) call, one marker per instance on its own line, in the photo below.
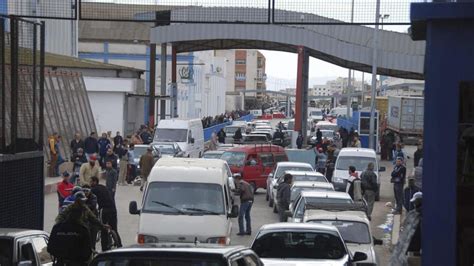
point(374, 78)
point(382, 17)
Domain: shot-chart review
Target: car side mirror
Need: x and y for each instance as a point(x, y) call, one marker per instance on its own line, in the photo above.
point(359, 256)
point(287, 214)
point(133, 208)
point(234, 212)
point(25, 263)
point(377, 241)
point(382, 169)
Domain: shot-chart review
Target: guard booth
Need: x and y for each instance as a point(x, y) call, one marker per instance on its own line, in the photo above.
point(360, 121)
point(448, 163)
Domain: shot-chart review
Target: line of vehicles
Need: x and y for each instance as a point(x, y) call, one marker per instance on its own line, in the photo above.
point(186, 212)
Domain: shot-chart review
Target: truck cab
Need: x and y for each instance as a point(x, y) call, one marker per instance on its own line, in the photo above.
point(24, 247)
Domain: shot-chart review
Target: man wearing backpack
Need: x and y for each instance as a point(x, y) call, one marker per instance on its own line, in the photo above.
point(70, 239)
point(370, 187)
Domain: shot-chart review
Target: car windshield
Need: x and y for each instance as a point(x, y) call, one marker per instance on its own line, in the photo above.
point(234, 158)
point(171, 135)
point(212, 155)
point(164, 259)
point(295, 192)
point(316, 113)
point(351, 232)
point(315, 200)
point(230, 130)
point(138, 151)
point(166, 149)
point(360, 163)
point(184, 198)
point(299, 245)
point(282, 169)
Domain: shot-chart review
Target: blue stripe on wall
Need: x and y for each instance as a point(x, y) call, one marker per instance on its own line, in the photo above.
point(106, 52)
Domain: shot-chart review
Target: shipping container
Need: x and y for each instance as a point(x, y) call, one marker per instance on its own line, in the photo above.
point(405, 115)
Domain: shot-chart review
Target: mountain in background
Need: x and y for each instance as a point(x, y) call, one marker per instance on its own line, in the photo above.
point(276, 84)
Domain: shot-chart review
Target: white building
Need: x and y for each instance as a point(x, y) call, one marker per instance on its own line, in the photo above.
point(402, 87)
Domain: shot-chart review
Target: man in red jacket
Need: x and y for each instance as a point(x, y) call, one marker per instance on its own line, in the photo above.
point(64, 188)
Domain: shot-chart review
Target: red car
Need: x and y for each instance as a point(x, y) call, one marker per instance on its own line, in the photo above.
point(254, 162)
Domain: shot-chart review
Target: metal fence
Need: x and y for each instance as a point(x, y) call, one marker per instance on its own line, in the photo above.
point(21, 85)
point(312, 12)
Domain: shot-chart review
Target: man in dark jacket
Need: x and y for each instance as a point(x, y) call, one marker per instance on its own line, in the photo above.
point(408, 194)
point(76, 143)
point(418, 154)
point(118, 141)
point(104, 144)
point(109, 211)
point(221, 136)
point(111, 178)
point(238, 135)
point(319, 136)
point(398, 179)
point(90, 145)
point(110, 156)
point(283, 196)
point(370, 187)
point(246, 200)
point(146, 164)
point(91, 203)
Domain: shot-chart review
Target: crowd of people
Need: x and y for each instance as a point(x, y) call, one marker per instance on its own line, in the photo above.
point(210, 121)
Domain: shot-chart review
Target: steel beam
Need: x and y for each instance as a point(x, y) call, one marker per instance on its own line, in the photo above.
point(301, 103)
point(152, 84)
point(163, 81)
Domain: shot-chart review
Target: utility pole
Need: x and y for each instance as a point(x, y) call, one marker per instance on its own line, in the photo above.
point(349, 81)
point(374, 78)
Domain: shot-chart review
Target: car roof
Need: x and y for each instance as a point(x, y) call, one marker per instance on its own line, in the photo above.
point(178, 247)
point(190, 170)
point(311, 173)
point(214, 152)
point(257, 148)
point(325, 194)
point(360, 152)
point(297, 226)
point(293, 164)
point(311, 184)
point(355, 216)
point(18, 232)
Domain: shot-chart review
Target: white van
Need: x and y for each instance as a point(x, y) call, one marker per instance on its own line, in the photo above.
point(186, 200)
point(189, 135)
point(359, 158)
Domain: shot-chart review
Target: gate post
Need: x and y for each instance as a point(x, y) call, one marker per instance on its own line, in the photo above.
point(301, 103)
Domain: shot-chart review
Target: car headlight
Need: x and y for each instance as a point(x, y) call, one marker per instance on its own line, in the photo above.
point(144, 239)
point(221, 240)
point(337, 179)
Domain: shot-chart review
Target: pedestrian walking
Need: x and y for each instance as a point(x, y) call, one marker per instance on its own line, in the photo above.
point(418, 154)
point(109, 211)
point(320, 160)
point(238, 135)
point(355, 141)
point(245, 192)
point(283, 196)
point(88, 170)
point(418, 173)
point(354, 187)
point(111, 178)
point(132, 165)
point(122, 153)
point(299, 140)
point(408, 193)
point(319, 136)
point(104, 144)
point(221, 136)
point(398, 180)
point(90, 145)
point(369, 187)
point(146, 164)
point(213, 142)
point(53, 154)
point(399, 153)
point(76, 143)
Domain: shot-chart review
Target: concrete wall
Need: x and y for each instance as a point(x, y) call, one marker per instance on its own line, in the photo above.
point(108, 110)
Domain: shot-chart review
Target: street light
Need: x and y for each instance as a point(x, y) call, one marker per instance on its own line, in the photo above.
point(382, 17)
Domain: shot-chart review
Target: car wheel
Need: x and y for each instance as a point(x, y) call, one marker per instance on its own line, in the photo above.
point(270, 203)
point(275, 210)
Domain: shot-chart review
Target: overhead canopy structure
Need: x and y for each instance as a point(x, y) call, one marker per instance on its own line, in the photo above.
point(343, 45)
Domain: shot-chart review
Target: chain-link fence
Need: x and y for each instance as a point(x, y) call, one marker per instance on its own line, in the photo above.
point(22, 76)
point(47, 9)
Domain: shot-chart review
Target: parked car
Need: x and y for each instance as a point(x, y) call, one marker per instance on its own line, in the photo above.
point(299, 186)
point(24, 247)
point(297, 208)
point(353, 225)
point(212, 154)
point(302, 244)
point(316, 115)
point(255, 139)
point(189, 135)
point(262, 132)
point(302, 176)
point(254, 162)
point(359, 158)
point(279, 171)
point(168, 149)
point(181, 194)
point(179, 254)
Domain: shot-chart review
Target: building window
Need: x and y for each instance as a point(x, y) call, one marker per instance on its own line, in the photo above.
point(240, 61)
point(240, 76)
